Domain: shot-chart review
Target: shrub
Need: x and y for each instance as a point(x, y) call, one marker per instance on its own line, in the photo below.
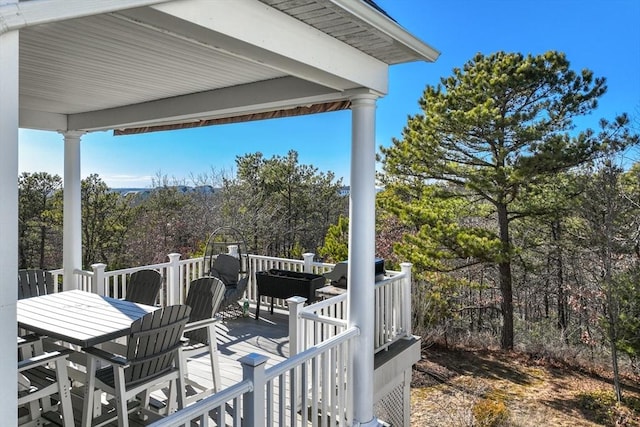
point(490, 412)
point(605, 410)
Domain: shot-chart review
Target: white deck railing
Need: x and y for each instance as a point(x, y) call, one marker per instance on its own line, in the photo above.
point(311, 388)
point(264, 263)
point(177, 274)
point(309, 325)
point(315, 377)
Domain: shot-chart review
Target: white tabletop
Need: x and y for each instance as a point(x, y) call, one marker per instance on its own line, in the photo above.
point(79, 317)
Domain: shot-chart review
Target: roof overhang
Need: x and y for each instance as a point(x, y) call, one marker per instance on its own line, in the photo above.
point(145, 64)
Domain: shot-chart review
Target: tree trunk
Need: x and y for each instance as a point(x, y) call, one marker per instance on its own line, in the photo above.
point(506, 339)
point(504, 267)
point(43, 239)
point(562, 296)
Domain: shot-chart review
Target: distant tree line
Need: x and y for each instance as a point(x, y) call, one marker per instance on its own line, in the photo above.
point(282, 208)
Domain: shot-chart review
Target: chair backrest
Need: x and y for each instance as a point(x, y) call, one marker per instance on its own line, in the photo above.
point(153, 343)
point(34, 282)
point(227, 268)
point(204, 297)
point(144, 287)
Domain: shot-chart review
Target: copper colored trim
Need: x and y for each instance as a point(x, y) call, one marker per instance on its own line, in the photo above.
point(292, 112)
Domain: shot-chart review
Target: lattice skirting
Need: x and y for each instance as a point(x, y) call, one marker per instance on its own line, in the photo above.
point(391, 408)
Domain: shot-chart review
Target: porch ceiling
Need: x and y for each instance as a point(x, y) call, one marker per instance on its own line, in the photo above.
point(193, 60)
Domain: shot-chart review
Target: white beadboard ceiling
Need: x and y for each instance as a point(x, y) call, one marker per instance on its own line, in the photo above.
point(194, 60)
point(106, 61)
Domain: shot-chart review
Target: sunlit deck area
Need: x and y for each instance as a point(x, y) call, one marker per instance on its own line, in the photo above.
point(291, 367)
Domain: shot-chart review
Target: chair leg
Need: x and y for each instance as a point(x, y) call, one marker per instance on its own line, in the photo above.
point(213, 355)
point(180, 382)
point(171, 399)
point(121, 397)
point(64, 392)
point(89, 390)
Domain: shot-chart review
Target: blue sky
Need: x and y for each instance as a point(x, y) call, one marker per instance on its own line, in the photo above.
point(602, 35)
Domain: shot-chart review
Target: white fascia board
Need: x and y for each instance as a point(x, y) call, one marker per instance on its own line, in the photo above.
point(388, 27)
point(258, 32)
point(40, 120)
point(269, 95)
point(14, 16)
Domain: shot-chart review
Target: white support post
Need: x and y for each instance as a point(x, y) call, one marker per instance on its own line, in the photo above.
point(308, 262)
point(405, 267)
point(361, 274)
point(97, 281)
point(295, 332)
point(9, 106)
point(72, 210)
point(253, 367)
point(173, 280)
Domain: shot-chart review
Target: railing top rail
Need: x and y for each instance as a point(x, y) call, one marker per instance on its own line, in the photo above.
point(292, 362)
point(78, 272)
point(323, 264)
point(134, 269)
point(394, 276)
point(270, 258)
point(319, 305)
point(190, 260)
point(205, 405)
point(309, 315)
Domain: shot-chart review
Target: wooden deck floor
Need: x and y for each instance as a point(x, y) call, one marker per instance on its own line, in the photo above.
point(237, 337)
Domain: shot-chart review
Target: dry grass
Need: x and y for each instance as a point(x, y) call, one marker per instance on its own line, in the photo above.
point(511, 389)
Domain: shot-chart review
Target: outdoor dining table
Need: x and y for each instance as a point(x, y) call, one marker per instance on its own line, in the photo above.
point(78, 317)
point(81, 318)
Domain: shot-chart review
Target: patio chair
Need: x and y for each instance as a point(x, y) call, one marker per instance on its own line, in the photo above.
point(228, 269)
point(151, 359)
point(204, 297)
point(144, 287)
point(232, 295)
point(34, 282)
point(43, 385)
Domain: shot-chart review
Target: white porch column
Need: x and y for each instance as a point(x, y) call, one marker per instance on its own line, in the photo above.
point(72, 212)
point(9, 106)
point(361, 274)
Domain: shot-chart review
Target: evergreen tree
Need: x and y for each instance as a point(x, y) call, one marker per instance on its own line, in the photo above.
point(106, 217)
point(497, 125)
point(40, 219)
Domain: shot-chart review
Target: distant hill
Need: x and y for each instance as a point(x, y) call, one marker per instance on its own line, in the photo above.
point(202, 189)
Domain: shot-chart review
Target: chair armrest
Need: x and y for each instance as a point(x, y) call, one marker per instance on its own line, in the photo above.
point(43, 359)
point(198, 324)
point(28, 339)
point(111, 358)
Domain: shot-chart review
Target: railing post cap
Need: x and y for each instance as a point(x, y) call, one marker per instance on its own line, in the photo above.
point(99, 265)
point(406, 264)
point(174, 255)
point(296, 300)
point(253, 359)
